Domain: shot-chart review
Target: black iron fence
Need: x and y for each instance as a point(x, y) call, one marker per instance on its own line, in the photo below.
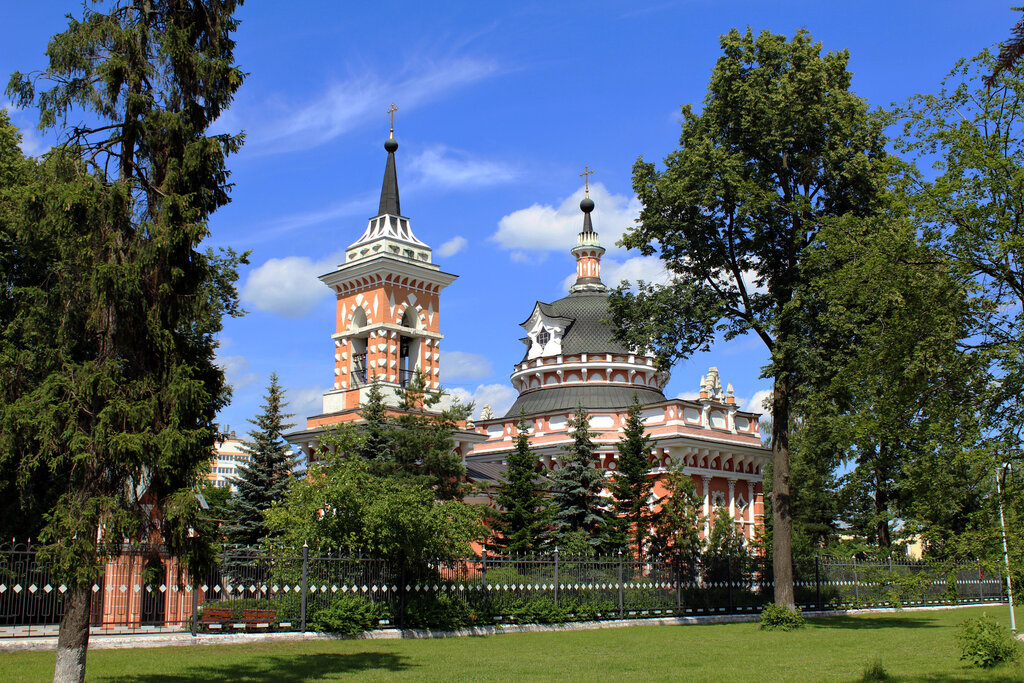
point(248, 589)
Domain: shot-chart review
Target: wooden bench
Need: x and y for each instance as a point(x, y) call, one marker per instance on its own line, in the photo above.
point(258, 617)
point(216, 616)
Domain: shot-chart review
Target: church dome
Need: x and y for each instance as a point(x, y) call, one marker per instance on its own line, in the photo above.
point(572, 358)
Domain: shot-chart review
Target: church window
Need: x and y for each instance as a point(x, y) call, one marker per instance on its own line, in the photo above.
point(543, 337)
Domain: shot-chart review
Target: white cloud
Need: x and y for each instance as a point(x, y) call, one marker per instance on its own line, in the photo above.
point(305, 402)
point(288, 286)
point(499, 396)
point(452, 246)
point(529, 259)
point(349, 104)
point(756, 403)
point(545, 227)
point(689, 395)
point(461, 365)
point(646, 268)
point(237, 371)
point(441, 166)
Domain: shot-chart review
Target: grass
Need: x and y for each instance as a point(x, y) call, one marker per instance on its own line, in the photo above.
point(911, 646)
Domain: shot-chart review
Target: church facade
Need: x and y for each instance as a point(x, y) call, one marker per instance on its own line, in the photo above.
point(388, 327)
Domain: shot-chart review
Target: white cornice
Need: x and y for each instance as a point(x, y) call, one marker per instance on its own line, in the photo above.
point(396, 266)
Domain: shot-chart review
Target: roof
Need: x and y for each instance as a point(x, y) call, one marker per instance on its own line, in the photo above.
point(587, 333)
point(597, 396)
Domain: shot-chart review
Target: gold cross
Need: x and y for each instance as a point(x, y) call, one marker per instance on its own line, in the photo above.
point(391, 111)
point(587, 172)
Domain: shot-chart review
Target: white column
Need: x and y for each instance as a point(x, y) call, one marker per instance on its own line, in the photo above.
point(750, 507)
point(707, 507)
point(732, 498)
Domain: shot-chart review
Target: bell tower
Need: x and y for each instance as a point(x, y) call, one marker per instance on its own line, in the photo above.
point(388, 292)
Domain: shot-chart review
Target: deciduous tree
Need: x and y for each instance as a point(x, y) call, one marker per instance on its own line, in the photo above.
point(780, 147)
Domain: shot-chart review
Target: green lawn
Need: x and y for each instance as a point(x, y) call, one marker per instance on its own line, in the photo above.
point(912, 646)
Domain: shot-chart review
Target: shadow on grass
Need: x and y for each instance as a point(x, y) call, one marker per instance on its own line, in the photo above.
point(280, 669)
point(864, 621)
point(966, 675)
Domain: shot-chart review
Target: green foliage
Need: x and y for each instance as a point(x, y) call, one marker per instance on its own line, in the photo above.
point(345, 506)
point(348, 615)
point(444, 612)
point(676, 524)
point(874, 671)
point(111, 312)
point(265, 477)
point(523, 519)
point(984, 642)
point(576, 494)
point(780, 148)
point(631, 486)
point(775, 617)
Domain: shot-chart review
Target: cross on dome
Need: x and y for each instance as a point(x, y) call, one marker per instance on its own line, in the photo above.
point(587, 172)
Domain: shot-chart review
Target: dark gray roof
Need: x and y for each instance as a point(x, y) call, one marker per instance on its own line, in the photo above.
point(493, 473)
point(389, 202)
point(596, 396)
point(587, 333)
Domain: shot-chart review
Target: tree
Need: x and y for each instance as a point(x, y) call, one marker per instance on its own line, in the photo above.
point(973, 136)
point(676, 522)
point(576, 494)
point(108, 379)
point(522, 522)
point(632, 484)
point(1010, 52)
point(264, 478)
point(344, 506)
point(780, 148)
point(378, 437)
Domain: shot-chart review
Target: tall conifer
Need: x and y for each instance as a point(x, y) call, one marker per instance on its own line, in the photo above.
point(576, 495)
point(522, 524)
point(631, 486)
point(264, 479)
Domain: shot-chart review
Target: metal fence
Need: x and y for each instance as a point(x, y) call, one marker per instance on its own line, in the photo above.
point(252, 589)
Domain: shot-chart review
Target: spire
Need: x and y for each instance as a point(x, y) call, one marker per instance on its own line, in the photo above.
point(588, 249)
point(389, 203)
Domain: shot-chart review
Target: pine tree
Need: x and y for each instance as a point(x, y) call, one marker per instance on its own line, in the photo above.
point(631, 487)
point(265, 478)
point(576, 495)
point(522, 524)
point(676, 522)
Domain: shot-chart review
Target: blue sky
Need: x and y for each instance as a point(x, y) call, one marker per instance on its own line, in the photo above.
point(500, 107)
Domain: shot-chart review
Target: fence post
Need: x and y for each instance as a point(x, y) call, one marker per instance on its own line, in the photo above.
point(817, 580)
point(402, 596)
point(728, 579)
point(195, 607)
point(620, 583)
point(556, 576)
point(679, 584)
point(981, 590)
point(483, 574)
point(305, 567)
point(856, 581)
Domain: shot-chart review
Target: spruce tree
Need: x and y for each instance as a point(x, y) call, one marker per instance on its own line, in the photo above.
point(632, 485)
point(376, 428)
point(576, 494)
point(677, 520)
point(108, 381)
point(522, 523)
point(265, 478)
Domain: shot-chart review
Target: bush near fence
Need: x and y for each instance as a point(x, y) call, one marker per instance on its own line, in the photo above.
point(288, 591)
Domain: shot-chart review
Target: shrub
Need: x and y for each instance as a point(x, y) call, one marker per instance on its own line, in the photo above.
point(874, 672)
point(780, 618)
point(985, 642)
point(444, 612)
point(349, 615)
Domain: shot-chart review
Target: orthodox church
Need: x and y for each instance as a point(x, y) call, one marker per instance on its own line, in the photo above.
point(388, 327)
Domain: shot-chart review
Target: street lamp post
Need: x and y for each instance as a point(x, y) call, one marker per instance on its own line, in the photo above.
point(1000, 472)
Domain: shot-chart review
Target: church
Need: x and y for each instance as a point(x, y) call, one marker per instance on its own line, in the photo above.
point(388, 327)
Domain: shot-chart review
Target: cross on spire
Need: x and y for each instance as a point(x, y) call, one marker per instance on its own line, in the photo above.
point(391, 112)
point(587, 172)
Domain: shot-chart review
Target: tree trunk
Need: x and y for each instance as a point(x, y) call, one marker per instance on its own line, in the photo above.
point(782, 517)
point(882, 507)
point(74, 636)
